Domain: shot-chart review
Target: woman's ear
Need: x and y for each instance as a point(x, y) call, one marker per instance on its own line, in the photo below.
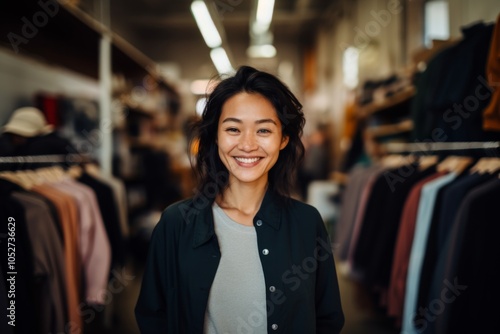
point(284, 142)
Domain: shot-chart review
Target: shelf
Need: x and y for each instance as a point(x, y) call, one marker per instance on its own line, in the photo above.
point(391, 129)
point(438, 146)
point(68, 37)
point(391, 102)
point(62, 40)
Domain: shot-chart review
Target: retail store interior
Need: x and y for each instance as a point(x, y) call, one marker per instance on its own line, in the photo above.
point(402, 137)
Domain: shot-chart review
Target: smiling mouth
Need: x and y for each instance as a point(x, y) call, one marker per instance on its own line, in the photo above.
point(247, 160)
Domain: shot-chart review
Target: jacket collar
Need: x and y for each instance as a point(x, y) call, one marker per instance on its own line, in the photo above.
point(269, 213)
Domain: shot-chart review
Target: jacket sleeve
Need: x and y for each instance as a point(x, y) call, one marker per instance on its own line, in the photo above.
point(151, 307)
point(329, 314)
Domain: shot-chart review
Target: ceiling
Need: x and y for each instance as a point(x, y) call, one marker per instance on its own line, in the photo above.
point(158, 22)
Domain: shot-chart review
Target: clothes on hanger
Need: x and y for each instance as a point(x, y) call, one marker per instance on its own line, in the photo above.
point(453, 91)
point(26, 288)
point(409, 237)
point(64, 245)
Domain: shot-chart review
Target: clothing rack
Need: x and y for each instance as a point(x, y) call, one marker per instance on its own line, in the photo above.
point(54, 158)
point(438, 146)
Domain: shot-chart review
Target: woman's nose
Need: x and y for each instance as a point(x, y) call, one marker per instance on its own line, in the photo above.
point(248, 142)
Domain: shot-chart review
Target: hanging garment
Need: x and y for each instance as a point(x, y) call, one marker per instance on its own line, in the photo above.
point(424, 215)
point(68, 213)
point(50, 298)
point(402, 249)
point(386, 227)
point(48, 104)
point(120, 198)
point(25, 292)
point(444, 216)
point(452, 93)
point(425, 83)
point(94, 246)
point(4, 326)
point(350, 201)
point(48, 144)
point(367, 226)
point(109, 214)
point(464, 95)
point(472, 256)
point(354, 271)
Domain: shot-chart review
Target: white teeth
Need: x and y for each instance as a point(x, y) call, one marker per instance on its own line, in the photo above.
point(247, 160)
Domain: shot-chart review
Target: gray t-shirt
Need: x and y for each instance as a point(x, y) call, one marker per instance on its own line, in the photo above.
point(237, 300)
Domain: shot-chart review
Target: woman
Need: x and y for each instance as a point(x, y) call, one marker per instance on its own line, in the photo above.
point(242, 256)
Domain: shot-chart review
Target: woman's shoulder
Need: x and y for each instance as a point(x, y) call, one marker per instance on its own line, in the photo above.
point(302, 216)
point(183, 212)
point(301, 207)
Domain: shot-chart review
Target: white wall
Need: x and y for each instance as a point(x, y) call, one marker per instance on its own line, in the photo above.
point(21, 78)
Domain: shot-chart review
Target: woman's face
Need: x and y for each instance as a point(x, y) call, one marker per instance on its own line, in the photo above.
point(249, 138)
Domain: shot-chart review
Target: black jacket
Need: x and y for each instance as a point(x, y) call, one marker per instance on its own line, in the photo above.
point(302, 290)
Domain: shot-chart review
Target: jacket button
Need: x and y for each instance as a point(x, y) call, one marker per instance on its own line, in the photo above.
point(274, 327)
point(259, 222)
point(272, 288)
point(265, 251)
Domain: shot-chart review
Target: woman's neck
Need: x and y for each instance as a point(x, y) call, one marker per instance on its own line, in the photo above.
point(241, 199)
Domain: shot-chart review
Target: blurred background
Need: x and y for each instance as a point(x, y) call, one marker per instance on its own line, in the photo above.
point(118, 82)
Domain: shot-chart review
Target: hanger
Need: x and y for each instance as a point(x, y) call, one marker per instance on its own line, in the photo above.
point(30, 177)
point(58, 173)
point(427, 161)
point(75, 171)
point(454, 164)
point(486, 165)
point(51, 174)
point(20, 179)
point(395, 160)
point(92, 169)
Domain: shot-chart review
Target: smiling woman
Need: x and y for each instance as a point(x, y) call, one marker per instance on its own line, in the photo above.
point(250, 139)
point(248, 94)
point(222, 262)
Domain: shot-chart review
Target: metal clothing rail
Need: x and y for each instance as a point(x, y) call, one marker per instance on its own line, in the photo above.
point(438, 146)
point(54, 158)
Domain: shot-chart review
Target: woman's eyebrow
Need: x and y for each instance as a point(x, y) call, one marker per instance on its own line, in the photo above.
point(232, 119)
point(266, 120)
point(259, 121)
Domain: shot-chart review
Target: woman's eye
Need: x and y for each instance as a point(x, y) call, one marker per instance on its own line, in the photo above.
point(234, 130)
point(264, 131)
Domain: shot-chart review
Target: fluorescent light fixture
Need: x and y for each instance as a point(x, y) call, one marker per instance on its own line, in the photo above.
point(221, 61)
point(206, 24)
point(263, 16)
point(350, 66)
point(261, 51)
point(200, 106)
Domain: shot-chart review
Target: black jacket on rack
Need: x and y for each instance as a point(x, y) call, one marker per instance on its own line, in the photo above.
point(442, 221)
point(378, 271)
point(452, 92)
point(13, 219)
point(48, 144)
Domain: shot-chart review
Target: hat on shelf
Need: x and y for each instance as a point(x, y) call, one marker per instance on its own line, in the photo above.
point(27, 122)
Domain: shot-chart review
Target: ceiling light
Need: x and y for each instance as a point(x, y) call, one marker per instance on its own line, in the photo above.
point(206, 24)
point(200, 106)
point(263, 16)
point(221, 61)
point(261, 51)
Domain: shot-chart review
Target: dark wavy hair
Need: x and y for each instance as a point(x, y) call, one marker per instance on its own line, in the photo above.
point(212, 174)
